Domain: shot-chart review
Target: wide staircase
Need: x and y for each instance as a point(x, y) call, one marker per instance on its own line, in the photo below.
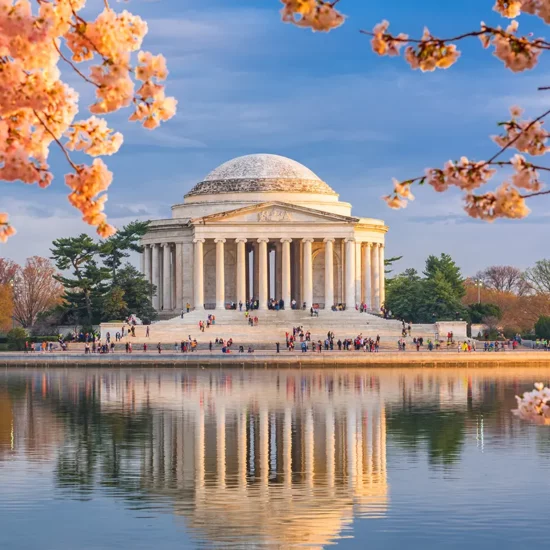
point(271, 328)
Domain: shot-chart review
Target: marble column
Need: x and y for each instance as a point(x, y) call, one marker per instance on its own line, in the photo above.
point(179, 276)
point(286, 292)
point(198, 274)
point(220, 273)
point(166, 277)
point(329, 273)
point(367, 287)
point(155, 263)
point(241, 271)
point(358, 289)
point(278, 271)
point(376, 277)
point(382, 275)
point(308, 273)
point(262, 274)
point(147, 264)
point(350, 274)
point(255, 271)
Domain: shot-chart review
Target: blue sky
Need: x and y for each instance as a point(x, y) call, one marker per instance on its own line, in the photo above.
point(247, 83)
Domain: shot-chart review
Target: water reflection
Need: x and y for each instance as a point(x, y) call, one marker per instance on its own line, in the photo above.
point(248, 457)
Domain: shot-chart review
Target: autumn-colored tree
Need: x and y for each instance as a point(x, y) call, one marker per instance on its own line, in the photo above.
point(505, 278)
point(39, 109)
point(6, 307)
point(518, 312)
point(35, 290)
point(8, 269)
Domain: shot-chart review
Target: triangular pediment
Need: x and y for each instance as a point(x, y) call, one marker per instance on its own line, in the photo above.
point(275, 212)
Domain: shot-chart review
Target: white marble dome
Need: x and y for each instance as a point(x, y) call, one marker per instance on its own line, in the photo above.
point(261, 173)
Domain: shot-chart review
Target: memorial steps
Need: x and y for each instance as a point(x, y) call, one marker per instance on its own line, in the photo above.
point(271, 328)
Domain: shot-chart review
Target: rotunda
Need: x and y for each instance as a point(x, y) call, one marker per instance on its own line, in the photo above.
point(264, 227)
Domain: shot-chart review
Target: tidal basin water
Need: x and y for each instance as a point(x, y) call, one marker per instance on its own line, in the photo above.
point(172, 459)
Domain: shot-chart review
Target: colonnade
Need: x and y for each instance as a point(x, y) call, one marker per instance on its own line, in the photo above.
point(362, 276)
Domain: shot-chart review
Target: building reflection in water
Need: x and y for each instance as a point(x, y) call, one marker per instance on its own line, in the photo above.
point(286, 461)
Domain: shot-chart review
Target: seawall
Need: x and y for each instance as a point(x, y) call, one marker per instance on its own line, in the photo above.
point(267, 359)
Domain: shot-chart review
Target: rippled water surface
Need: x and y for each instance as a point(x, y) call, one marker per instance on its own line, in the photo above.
point(172, 459)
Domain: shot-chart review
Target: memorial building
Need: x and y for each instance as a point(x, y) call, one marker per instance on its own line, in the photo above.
point(264, 227)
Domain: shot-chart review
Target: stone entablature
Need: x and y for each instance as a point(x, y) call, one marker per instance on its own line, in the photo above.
point(267, 185)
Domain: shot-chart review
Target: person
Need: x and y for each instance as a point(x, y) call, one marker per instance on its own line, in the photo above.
point(188, 307)
point(182, 313)
point(277, 344)
point(210, 345)
point(145, 347)
point(159, 347)
point(240, 305)
point(147, 331)
point(176, 347)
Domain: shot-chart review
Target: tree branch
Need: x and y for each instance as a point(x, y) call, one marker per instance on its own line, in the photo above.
point(69, 62)
point(533, 122)
point(69, 160)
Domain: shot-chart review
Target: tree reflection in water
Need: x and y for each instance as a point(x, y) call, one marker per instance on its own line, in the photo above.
point(245, 456)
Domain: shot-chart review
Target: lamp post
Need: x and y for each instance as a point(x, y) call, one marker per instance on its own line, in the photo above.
point(478, 283)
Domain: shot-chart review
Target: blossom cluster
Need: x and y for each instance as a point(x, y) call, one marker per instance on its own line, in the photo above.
point(507, 201)
point(6, 230)
point(524, 135)
point(427, 54)
point(318, 15)
point(513, 8)
point(534, 406)
point(38, 109)
point(86, 184)
point(518, 53)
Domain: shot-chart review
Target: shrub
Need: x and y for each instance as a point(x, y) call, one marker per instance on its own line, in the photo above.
point(542, 327)
point(16, 338)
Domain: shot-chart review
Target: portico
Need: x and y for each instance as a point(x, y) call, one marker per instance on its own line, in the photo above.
point(264, 227)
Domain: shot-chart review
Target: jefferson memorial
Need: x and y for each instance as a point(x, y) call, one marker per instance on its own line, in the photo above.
point(264, 227)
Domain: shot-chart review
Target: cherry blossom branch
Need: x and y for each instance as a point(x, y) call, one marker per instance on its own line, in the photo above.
point(539, 42)
point(73, 66)
point(515, 139)
point(535, 194)
point(61, 146)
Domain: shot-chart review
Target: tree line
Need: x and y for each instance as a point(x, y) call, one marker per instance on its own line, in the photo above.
point(504, 298)
point(86, 281)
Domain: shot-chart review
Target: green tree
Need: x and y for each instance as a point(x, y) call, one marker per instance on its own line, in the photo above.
point(440, 299)
point(16, 338)
point(84, 290)
point(449, 270)
point(404, 296)
point(478, 312)
point(388, 263)
point(542, 327)
point(118, 247)
point(137, 292)
point(114, 305)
